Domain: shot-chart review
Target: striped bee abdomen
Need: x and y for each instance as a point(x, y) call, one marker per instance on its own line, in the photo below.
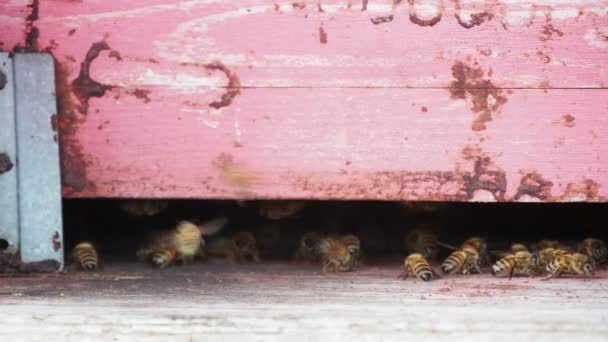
point(417, 265)
point(454, 262)
point(86, 256)
point(163, 257)
point(504, 267)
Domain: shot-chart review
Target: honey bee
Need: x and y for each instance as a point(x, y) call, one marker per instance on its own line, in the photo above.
point(542, 244)
point(519, 263)
point(570, 263)
point(85, 256)
point(276, 210)
point(238, 247)
point(143, 207)
point(518, 247)
point(422, 241)
point(595, 249)
point(307, 250)
point(416, 264)
point(542, 258)
point(163, 257)
point(187, 241)
point(339, 254)
point(183, 243)
point(466, 259)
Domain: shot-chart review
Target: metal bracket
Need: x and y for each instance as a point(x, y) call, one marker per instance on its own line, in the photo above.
point(30, 185)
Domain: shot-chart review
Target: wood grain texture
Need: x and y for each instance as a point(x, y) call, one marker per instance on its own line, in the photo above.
point(499, 100)
point(275, 302)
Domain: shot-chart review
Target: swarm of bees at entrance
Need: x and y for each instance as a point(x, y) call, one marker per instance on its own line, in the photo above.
point(552, 258)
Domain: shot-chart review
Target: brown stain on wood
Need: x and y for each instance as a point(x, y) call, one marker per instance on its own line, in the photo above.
point(585, 189)
point(73, 160)
point(71, 32)
point(423, 22)
point(568, 121)
point(533, 184)
point(322, 35)
point(475, 19)
point(549, 31)
point(141, 94)
point(84, 87)
point(32, 33)
point(300, 5)
point(233, 88)
point(235, 174)
point(424, 109)
point(384, 185)
point(115, 54)
point(485, 97)
point(382, 20)
point(486, 174)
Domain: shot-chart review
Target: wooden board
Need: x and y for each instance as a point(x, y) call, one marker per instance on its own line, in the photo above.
point(424, 100)
point(277, 302)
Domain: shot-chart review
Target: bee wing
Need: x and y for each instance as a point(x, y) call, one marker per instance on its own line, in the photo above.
point(448, 246)
point(213, 226)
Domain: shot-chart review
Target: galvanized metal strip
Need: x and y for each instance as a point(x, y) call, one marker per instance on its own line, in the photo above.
point(9, 214)
point(39, 181)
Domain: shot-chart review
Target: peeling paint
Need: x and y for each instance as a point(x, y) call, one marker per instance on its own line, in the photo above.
point(425, 22)
point(532, 184)
point(485, 97)
point(84, 87)
point(475, 19)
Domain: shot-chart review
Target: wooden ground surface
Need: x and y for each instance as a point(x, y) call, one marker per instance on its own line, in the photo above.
point(276, 301)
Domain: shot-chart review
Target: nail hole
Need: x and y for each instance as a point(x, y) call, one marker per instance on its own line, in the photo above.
point(3, 245)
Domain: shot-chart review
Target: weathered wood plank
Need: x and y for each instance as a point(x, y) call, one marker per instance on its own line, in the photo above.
point(342, 143)
point(174, 98)
point(277, 303)
point(527, 44)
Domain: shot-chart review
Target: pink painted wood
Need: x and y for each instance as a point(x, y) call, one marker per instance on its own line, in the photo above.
point(481, 100)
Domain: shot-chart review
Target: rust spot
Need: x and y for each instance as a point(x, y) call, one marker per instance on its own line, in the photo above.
point(424, 109)
point(54, 122)
point(73, 160)
point(545, 84)
point(31, 32)
point(533, 184)
point(424, 22)
point(486, 176)
point(115, 54)
point(568, 120)
point(322, 35)
point(235, 174)
point(548, 32)
point(486, 98)
point(56, 242)
point(3, 80)
point(233, 88)
point(84, 87)
point(543, 57)
point(475, 19)
point(71, 32)
point(5, 163)
point(364, 5)
point(586, 189)
point(319, 7)
point(485, 52)
point(383, 185)
point(300, 5)
point(382, 20)
point(277, 7)
point(140, 94)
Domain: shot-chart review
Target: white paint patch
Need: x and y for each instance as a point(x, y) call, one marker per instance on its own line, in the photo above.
point(6, 19)
point(182, 82)
point(204, 114)
point(237, 128)
point(597, 37)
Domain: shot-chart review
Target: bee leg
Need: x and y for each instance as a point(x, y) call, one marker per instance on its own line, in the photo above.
point(555, 274)
point(255, 256)
point(511, 273)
